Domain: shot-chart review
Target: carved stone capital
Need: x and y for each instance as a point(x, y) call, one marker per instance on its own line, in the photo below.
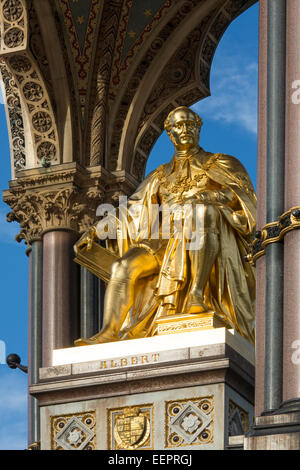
point(37, 212)
point(64, 199)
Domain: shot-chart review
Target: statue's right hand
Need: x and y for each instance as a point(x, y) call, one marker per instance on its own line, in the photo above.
point(86, 240)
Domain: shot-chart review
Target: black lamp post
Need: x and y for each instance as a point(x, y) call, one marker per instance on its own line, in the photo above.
point(14, 362)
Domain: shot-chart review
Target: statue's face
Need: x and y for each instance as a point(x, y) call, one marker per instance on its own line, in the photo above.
point(184, 132)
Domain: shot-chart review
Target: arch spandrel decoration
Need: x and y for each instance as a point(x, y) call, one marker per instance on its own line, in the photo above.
point(13, 26)
point(34, 141)
point(15, 118)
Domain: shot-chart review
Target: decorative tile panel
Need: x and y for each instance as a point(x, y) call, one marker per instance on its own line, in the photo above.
point(73, 432)
point(189, 422)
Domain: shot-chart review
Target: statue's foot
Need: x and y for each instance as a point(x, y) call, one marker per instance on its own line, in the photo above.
point(198, 308)
point(196, 304)
point(97, 339)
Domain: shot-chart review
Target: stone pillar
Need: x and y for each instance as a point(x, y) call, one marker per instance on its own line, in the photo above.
point(275, 201)
point(29, 400)
point(35, 333)
point(60, 292)
point(261, 212)
point(291, 369)
point(279, 427)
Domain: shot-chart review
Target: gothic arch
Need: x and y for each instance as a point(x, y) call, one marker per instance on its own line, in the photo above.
point(95, 96)
point(179, 74)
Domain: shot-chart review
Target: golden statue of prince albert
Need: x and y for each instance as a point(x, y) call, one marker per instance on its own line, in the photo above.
point(193, 270)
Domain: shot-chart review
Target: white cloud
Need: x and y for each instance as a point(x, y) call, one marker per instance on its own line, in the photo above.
point(234, 93)
point(13, 410)
point(13, 392)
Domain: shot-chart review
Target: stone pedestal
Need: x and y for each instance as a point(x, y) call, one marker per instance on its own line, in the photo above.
point(277, 432)
point(180, 391)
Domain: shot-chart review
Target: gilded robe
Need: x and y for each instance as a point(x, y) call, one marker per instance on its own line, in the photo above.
point(230, 290)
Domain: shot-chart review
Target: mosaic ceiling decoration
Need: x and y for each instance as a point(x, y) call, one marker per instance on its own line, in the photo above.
point(81, 20)
point(138, 20)
point(80, 12)
point(141, 14)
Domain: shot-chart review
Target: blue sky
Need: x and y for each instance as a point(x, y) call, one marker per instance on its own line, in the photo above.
point(230, 126)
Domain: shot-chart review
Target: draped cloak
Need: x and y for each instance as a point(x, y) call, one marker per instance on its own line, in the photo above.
point(230, 290)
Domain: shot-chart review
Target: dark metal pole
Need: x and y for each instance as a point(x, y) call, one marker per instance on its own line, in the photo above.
point(275, 201)
point(36, 331)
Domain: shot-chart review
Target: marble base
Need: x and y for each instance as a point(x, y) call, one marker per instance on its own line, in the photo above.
point(163, 346)
point(193, 395)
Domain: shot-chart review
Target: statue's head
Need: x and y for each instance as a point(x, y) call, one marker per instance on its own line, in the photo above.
point(183, 127)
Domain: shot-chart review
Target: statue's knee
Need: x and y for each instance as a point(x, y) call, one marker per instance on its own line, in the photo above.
point(123, 269)
point(119, 269)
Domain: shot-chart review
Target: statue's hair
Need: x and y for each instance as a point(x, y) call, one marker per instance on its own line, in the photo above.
point(168, 124)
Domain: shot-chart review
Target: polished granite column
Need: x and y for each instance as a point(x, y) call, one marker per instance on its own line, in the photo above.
point(60, 292)
point(276, 58)
point(261, 209)
point(291, 369)
point(278, 428)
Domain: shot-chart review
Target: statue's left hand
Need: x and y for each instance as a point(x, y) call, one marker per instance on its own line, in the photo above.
point(86, 240)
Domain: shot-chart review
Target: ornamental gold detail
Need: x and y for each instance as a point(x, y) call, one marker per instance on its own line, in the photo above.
point(130, 428)
point(74, 431)
point(189, 422)
point(273, 232)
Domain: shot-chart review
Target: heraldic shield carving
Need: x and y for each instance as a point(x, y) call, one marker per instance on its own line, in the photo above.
point(131, 428)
